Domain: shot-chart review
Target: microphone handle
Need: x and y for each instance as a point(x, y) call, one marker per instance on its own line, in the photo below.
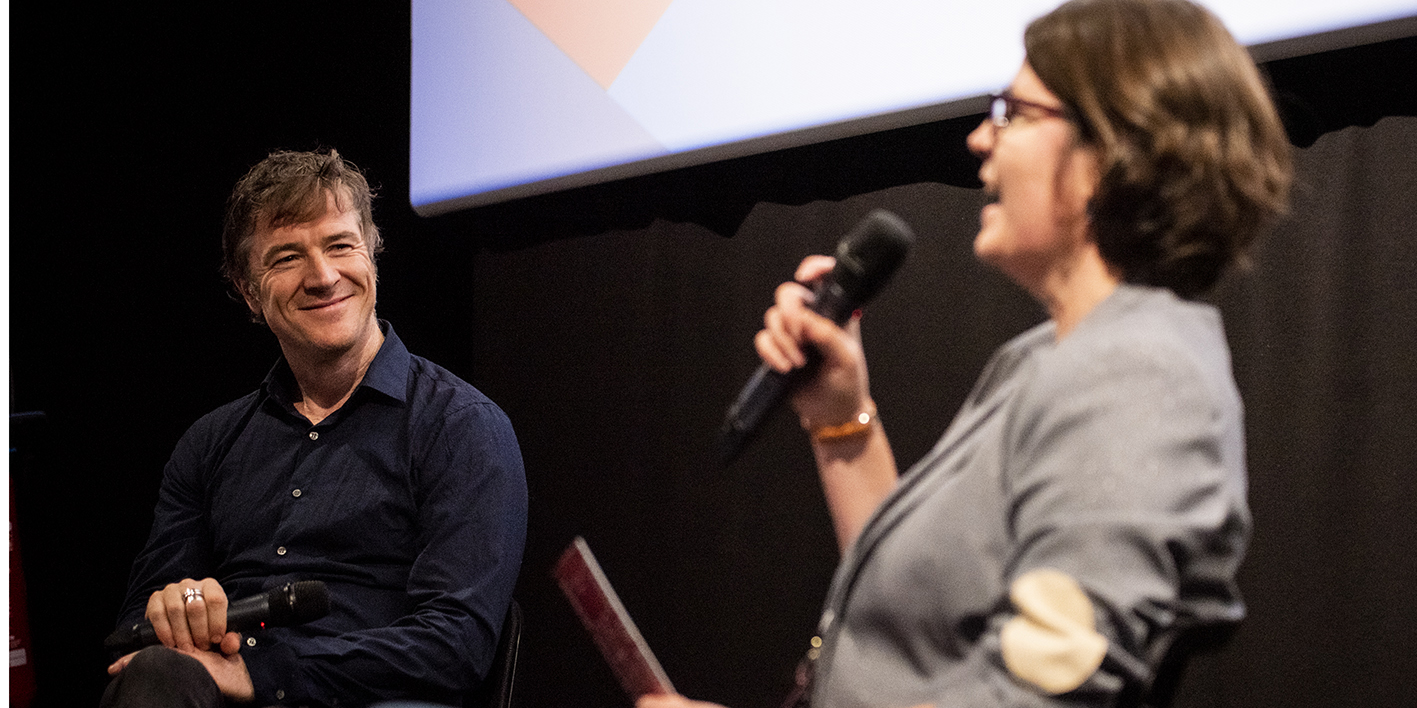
point(760, 396)
point(768, 387)
point(131, 639)
point(246, 613)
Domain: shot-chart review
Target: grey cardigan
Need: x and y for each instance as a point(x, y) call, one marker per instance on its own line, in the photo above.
point(1115, 456)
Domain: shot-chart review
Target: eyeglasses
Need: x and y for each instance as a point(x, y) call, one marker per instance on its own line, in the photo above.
point(1003, 108)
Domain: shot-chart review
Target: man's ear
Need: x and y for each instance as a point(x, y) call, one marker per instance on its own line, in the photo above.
point(248, 293)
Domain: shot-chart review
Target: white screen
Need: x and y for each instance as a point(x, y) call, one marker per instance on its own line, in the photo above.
point(518, 97)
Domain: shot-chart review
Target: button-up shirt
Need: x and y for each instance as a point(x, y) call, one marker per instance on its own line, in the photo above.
point(409, 502)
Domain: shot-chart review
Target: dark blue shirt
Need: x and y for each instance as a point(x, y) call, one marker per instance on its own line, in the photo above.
point(409, 502)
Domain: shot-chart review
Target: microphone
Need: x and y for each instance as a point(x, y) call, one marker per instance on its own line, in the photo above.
point(285, 606)
point(865, 259)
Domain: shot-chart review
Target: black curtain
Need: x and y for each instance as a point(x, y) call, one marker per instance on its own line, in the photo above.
point(613, 324)
point(619, 352)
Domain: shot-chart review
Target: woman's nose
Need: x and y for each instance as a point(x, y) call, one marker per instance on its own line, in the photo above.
point(981, 139)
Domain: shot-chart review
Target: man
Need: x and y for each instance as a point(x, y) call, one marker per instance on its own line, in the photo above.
point(356, 463)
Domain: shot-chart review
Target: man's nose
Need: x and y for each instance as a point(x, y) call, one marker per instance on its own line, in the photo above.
point(321, 272)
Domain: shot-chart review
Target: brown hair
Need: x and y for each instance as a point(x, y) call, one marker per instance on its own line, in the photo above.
point(1194, 160)
point(289, 188)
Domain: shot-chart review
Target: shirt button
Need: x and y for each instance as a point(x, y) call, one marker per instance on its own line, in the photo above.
point(314, 435)
point(295, 493)
point(280, 695)
point(250, 641)
point(280, 551)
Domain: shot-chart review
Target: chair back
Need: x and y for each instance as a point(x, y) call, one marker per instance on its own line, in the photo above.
point(1176, 655)
point(495, 690)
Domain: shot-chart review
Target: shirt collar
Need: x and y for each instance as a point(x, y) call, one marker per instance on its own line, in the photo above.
point(387, 374)
point(1121, 301)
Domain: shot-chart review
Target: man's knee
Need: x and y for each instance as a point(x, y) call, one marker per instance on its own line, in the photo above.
point(158, 676)
point(165, 661)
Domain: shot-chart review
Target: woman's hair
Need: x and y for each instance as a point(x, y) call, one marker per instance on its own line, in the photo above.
point(1194, 160)
point(290, 188)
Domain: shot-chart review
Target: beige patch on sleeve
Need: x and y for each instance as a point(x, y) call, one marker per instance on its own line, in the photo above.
point(1053, 641)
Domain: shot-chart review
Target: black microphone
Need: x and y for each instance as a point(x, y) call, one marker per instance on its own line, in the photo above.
point(285, 606)
point(865, 259)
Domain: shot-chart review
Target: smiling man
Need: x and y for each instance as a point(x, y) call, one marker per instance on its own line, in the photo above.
point(356, 463)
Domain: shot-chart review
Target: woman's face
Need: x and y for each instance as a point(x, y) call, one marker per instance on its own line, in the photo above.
point(1041, 179)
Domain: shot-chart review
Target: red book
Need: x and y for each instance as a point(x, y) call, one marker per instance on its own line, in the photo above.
point(615, 634)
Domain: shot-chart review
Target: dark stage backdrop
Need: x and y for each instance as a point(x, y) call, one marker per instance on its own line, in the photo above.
point(614, 323)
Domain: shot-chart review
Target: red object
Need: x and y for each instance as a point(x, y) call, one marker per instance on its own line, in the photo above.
point(615, 634)
point(22, 684)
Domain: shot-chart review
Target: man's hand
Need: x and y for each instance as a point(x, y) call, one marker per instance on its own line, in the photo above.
point(224, 664)
point(228, 669)
point(189, 614)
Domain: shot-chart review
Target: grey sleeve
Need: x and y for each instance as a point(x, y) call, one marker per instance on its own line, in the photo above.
point(1125, 473)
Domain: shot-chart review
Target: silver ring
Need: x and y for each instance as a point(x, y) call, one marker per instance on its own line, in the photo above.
point(190, 594)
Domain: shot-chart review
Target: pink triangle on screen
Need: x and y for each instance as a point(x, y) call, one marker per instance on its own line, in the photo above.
point(598, 35)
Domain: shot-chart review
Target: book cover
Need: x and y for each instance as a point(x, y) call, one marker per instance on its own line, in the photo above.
point(615, 634)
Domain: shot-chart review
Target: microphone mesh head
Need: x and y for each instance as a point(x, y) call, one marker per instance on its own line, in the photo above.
point(297, 603)
point(868, 256)
point(310, 600)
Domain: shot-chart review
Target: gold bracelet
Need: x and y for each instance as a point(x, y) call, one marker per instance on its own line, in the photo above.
point(857, 426)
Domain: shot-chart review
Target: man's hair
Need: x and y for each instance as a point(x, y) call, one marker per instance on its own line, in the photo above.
point(1194, 161)
point(290, 188)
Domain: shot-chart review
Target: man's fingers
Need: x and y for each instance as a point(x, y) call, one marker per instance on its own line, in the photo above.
point(214, 597)
point(119, 665)
point(230, 643)
point(157, 615)
point(189, 614)
point(229, 672)
point(175, 609)
point(194, 604)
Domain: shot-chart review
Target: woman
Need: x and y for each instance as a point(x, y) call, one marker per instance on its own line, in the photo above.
point(1087, 505)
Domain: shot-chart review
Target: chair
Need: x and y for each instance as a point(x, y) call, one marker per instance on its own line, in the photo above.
point(1175, 656)
point(495, 691)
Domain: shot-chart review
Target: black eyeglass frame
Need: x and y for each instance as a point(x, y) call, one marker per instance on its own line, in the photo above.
point(1003, 107)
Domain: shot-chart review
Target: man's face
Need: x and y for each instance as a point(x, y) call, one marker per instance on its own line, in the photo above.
point(314, 284)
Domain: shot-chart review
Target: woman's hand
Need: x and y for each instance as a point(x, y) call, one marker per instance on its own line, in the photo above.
point(857, 470)
point(675, 700)
point(671, 700)
point(839, 390)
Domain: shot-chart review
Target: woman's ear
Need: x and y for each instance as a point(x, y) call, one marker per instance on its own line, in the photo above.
point(1078, 180)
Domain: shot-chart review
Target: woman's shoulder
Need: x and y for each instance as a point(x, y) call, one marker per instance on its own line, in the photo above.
point(1142, 328)
point(1138, 316)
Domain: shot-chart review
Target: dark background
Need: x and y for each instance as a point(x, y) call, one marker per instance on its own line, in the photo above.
point(613, 324)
